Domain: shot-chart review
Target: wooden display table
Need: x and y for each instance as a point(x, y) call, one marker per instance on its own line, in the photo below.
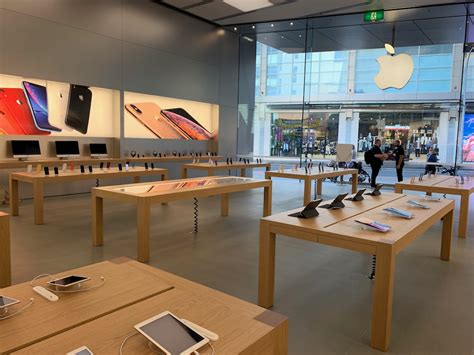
point(444, 184)
point(17, 164)
point(84, 319)
point(301, 174)
point(337, 228)
point(212, 168)
point(5, 253)
point(146, 194)
point(39, 179)
point(123, 287)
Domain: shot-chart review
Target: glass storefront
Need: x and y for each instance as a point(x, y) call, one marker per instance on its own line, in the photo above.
point(314, 85)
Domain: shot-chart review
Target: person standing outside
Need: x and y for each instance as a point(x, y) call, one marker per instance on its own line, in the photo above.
point(376, 161)
point(399, 154)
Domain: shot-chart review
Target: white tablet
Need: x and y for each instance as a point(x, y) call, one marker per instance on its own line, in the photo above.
point(7, 301)
point(171, 335)
point(68, 281)
point(83, 350)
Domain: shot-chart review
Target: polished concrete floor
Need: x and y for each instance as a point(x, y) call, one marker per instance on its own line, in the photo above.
point(324, 291)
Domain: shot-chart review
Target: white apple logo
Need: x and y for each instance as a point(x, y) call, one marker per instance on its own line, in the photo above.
point(395, 70)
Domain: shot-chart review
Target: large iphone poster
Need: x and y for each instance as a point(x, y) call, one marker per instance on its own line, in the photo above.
point(468, 138)
point(30, 106)
point(149, 116)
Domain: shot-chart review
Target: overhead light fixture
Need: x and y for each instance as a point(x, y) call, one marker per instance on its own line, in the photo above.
point(253, 26)
point(282, 37)
point(271, 25)
point(248, 5)
point(291, 23)
point(235, 28)
point(248, 39)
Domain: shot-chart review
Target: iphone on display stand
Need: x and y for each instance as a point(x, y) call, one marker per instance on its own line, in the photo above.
point(38, 102)
point(149, 114)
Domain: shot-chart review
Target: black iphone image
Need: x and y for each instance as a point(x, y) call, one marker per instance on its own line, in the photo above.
point(79, 106)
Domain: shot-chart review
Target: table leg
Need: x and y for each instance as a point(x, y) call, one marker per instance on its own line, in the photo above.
point(463, 215)
point(267, 200)
point(38, 196)
point(355, 182)
point(383, 298)
point(447, 235)
point(14, 197)
point(398, 189)
point(319, 187)
point(143, 230)
point(97, 220)
point(307, 191)
point(5, 253)
point(266, 273)
point(242, 172)
point(210, 172)
point(224, 205)
point(428, 193)
point(136, 179)
point(184, 173)
point(164, 177)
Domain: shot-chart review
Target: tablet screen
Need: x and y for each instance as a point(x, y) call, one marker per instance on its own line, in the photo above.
point(6, 301)
point(171, 334)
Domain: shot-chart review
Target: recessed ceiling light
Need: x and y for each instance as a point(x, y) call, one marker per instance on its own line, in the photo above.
point(291, 23)
point(282, 37)
point(271, 25)
point(248, 5)
point(235, 28)
point(265, 38)
point(253, 26)
point(300, 36)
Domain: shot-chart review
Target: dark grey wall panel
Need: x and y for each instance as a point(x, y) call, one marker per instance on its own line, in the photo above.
point(148, 70)
point(99, 16)
point(229, 70)
point(34, 47)
point(150, 24)
point(227, 130)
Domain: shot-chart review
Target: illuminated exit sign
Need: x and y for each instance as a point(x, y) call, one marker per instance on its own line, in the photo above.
point(373, 16)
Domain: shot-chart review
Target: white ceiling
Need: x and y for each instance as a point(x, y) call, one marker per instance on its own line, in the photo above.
point(223, 14)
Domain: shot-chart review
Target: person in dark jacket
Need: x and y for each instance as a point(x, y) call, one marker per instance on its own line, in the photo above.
point(432, 158)
point(399, 155)
point(377, 161)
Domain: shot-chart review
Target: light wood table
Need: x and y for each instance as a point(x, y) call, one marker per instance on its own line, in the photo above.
point(301, 174)
point(243, 328)
point(146, 194)
point(337, 228)
point(39, 179)
point(123, 287)
point(212, 168)
point(443, 184)
point(18, 164)
point(5, 253)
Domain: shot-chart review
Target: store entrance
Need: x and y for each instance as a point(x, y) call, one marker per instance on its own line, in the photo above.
point(418, 132)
